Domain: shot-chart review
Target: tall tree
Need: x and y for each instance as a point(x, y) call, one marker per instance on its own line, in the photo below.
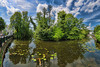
point(31, 20)
point(2, 24)
point(21, 23)
point(49, 10)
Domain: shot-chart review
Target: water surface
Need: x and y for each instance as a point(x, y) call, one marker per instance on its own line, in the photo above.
point(84, 53)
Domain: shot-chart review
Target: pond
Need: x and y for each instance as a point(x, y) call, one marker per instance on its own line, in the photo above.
point(84, 53)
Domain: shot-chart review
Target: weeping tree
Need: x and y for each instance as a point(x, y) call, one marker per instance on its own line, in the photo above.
point(2, 24)
point(21, 23)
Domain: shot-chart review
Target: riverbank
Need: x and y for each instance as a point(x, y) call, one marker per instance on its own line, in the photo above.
point(3, 50)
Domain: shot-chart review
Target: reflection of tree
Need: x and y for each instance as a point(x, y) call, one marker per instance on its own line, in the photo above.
point(19, 52)
point(42, 56)
point(43, 52)
point(98, 45)
point(67, 51)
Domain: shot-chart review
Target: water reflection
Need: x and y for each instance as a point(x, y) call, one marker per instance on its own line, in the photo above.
point(51, 54)
point(19, 52)
point(65, 51)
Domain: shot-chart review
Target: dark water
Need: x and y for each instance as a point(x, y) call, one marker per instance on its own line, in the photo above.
point(84, 53)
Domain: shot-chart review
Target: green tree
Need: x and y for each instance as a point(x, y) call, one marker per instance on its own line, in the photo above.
point(97, 28)
point(97, 33)
point(2, 24)
point(21, 23)
point(67, 27)
point(43, 29)
point(49, 11)
point(71, 26)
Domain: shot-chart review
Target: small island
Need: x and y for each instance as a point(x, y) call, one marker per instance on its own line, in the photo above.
point(67, 26)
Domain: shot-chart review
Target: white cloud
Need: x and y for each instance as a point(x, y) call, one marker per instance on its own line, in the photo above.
point(91, 17)
point(75, 10)
point(69, 3)
point(16, 5)
point(3, 3)
point(98, 20)
point(23, 4)
point(56, 9)
point(89, 7)
point(10, 8)
point(40, 7)
point(77, 13)
point(79, 3)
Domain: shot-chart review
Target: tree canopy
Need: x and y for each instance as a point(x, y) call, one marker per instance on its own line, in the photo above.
point(67, 27)
point(21, 23)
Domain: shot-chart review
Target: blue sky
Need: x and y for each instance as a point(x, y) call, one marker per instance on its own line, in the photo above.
point(87, 9)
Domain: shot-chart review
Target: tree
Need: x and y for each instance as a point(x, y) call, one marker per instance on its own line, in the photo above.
point(67, 27)
point(2, 24)
point(71, 26)
point(97, 28)
point(21, 23)
point(49, 10)
point(31, 20)
point(97, 33)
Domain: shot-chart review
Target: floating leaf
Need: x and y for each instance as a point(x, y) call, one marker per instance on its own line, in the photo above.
point(41, 58)
point(34, 59)
point(47, 51)
point(51, 57)
point(32, 55)
point(44, 59)
point(39, 53)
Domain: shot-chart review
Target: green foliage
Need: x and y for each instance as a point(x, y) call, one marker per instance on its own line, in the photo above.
point(97, 33)
point(5, 32)
point(2, 24)
point(71, 26)
point(20, 22)
point(67, 27)
point(97, 28)
point(58, 34)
